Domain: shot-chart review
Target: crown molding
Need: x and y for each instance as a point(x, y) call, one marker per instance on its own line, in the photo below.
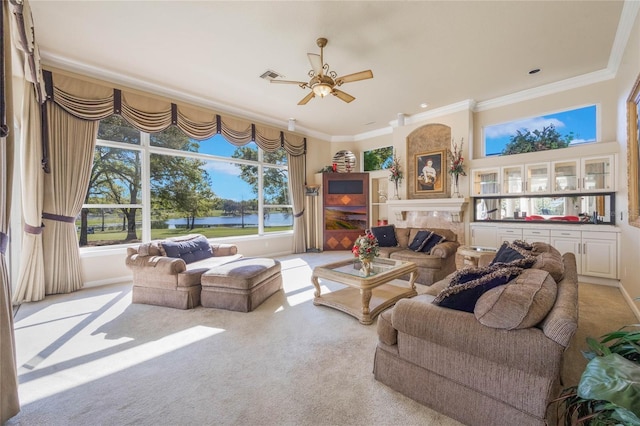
point(547, 89)
point(56, 61)
point(625, 26)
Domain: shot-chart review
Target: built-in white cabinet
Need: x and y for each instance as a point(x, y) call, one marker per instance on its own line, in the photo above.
point(587, 174)
point(508, 235)
point(485, 181)
point(596, 251)
point(536, 235)
point(483, 236)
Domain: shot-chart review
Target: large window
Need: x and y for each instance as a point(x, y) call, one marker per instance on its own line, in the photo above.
point(551, 131)
point(152, 186)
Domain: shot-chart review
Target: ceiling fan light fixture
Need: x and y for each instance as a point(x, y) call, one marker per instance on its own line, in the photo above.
point(322, 89)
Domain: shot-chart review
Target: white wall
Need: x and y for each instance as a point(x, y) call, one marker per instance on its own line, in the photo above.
point(630, 244)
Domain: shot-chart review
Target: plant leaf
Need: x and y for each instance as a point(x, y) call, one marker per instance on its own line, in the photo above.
point(612, 378)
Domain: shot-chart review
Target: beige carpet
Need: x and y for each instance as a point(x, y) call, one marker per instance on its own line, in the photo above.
point(93, 358)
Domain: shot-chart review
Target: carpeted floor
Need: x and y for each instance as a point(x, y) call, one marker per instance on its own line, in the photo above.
point(93, 358)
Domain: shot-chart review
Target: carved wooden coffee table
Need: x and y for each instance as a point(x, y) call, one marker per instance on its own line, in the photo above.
point(365, 297)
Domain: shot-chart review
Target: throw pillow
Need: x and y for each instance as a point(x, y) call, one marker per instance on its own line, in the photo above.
point(190, 250)
point(386, 235)
point(512, 252)
point(552, 263)
point(467, 287)
point(419, 240)
point(431, 241)
point(522, 303)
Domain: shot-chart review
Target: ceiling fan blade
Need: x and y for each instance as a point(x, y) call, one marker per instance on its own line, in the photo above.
point(342, 95)
point(302, 84)
point(307, 98)
point(362, 75)
point(316, 62)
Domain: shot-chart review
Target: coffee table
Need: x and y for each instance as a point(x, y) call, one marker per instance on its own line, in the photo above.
point(365, 297)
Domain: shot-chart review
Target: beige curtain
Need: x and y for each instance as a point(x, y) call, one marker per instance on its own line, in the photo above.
point(9, 402)
point(71, 145)
point(297, 186)
point(30, 284)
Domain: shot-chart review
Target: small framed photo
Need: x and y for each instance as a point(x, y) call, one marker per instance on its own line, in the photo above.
point(431, 172)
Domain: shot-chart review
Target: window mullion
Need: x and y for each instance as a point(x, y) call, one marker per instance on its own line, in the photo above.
point(146, 186)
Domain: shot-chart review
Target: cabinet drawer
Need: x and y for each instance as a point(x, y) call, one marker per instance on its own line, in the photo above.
point(536, 233)
point(566, 234)
point(600, 235)
point(510, 231)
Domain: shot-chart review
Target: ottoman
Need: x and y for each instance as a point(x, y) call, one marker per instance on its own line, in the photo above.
point(241, 285)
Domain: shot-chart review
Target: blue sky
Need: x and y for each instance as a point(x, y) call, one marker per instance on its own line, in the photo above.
point(224, 176)
point(581, 121)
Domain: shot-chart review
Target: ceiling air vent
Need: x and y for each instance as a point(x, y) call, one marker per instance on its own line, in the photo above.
point(270, 75)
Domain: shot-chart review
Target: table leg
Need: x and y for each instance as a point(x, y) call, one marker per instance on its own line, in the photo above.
point(316, 284)
point(366, 298)
point(412, 279)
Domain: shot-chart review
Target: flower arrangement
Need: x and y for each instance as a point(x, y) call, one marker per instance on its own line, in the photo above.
point(456, 167)
point(395, 170)
point(366, 247)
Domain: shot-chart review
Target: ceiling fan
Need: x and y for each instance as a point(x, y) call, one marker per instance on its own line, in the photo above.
point(324, 82)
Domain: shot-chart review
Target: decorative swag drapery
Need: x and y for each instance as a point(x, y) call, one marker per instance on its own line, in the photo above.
point(92, 101)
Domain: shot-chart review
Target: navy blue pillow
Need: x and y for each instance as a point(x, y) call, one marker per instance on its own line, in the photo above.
point(463, 296)
point(386, 235)
point(433, 240)
point(419, 240)
point(190, 250)
point(506, 254)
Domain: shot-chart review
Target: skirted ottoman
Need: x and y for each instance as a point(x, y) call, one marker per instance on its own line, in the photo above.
point(241, 285)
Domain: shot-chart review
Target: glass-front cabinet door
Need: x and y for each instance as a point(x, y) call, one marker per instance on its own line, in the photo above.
point(566, 176)
point(537, 178)
point(486, 181)
point(597, 173)
point(512, 180)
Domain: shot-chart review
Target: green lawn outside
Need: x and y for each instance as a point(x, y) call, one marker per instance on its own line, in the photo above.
point(117, 237)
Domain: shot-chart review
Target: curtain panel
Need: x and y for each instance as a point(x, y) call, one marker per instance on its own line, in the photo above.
point(9, 400)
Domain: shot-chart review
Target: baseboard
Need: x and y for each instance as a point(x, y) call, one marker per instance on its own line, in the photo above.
point(597, 280)
point(116, 280)
point(630, 302)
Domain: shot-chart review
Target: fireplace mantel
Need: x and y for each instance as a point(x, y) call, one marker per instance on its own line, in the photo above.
point(454, 206)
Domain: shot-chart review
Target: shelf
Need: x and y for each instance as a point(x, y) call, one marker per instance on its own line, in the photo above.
point(455, 206)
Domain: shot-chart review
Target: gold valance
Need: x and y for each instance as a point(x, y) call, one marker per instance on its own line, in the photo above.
point(95, 101)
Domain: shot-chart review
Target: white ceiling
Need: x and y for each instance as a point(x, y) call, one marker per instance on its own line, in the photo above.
point(438, 52)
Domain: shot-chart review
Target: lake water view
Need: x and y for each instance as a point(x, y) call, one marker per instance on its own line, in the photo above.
point(270, 220)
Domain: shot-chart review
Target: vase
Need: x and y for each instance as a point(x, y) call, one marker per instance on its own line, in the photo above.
point(395, 191)
point(365, 270)
point(456, 189)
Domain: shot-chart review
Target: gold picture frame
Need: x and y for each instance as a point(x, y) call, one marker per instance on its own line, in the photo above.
point(633, 155)
point(431, 172)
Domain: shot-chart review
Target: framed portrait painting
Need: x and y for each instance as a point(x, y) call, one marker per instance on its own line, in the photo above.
point(431, 172)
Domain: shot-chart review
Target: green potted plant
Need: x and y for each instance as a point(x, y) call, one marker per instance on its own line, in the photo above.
point(609, 388)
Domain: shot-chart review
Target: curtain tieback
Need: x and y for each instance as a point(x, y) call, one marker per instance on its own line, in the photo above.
point(4, 242)
point(58, 217)
point(297, 215)
point(35, 230)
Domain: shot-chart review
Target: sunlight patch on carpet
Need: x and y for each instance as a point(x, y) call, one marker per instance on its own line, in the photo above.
point(61, 380)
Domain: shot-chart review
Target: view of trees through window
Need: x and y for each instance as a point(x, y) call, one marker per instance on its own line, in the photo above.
point(551, 131)
point(174, 185)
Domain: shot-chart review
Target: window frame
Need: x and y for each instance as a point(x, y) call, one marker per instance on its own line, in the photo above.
point(598, 127)
point(146, 149)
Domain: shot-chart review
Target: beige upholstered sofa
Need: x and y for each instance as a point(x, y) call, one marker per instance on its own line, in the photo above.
point(434, 265)
point(174, 281)
point(502, 373)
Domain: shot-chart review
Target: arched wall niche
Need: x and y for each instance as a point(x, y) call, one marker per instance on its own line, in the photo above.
point(431, 141)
